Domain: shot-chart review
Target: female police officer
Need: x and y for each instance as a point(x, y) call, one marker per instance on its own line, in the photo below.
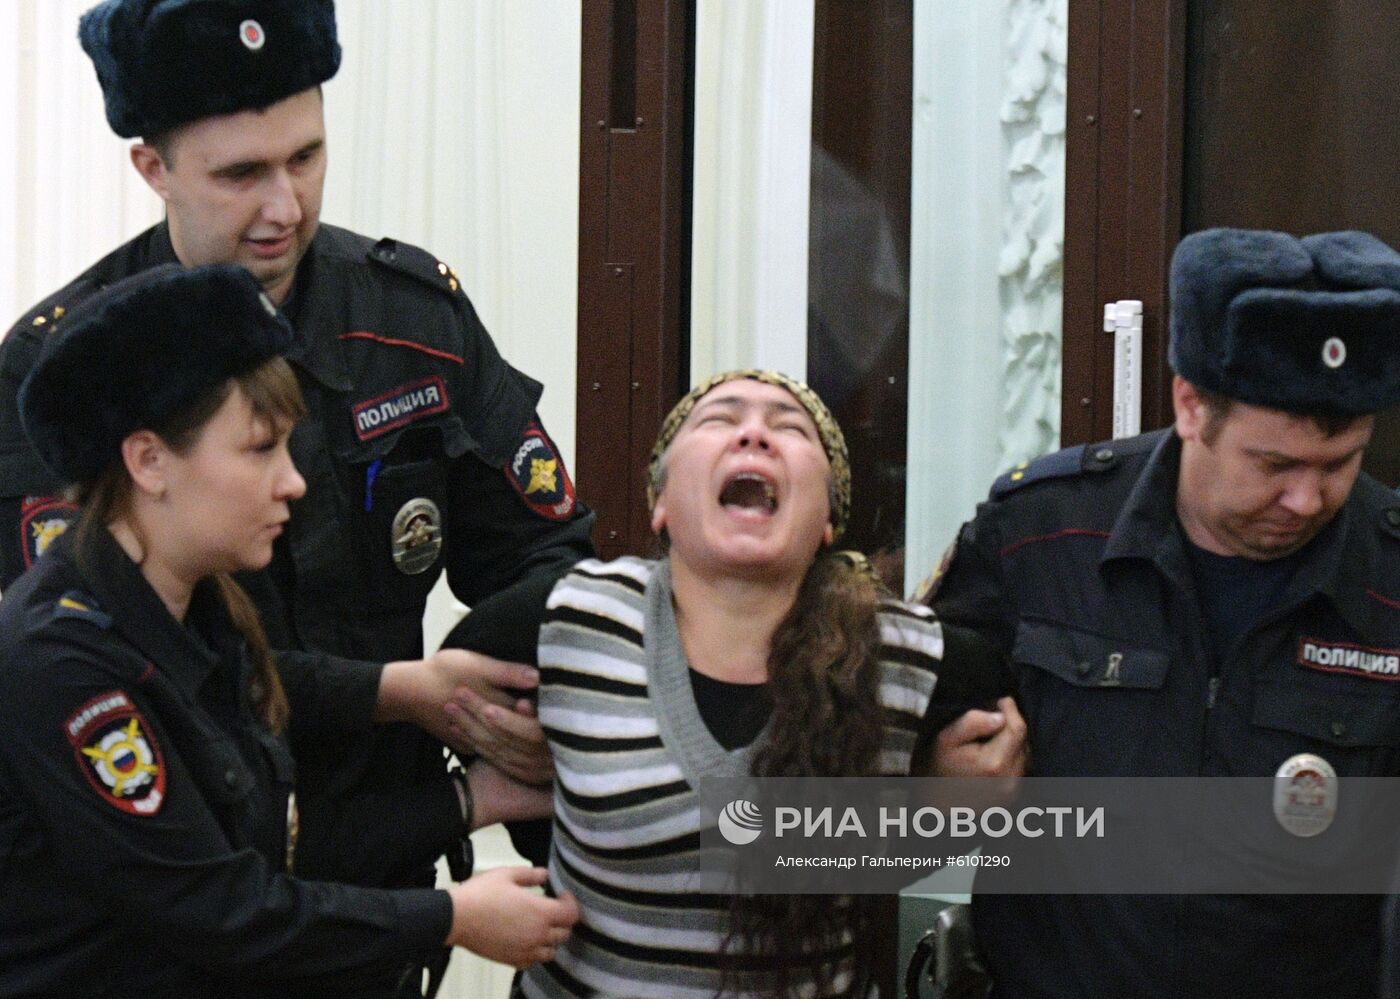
point(146, 819)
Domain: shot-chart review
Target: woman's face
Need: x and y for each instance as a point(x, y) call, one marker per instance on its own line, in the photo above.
point(747, 486)
point(227, 497)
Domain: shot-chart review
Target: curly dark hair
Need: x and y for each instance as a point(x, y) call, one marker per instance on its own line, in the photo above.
point(827, 721)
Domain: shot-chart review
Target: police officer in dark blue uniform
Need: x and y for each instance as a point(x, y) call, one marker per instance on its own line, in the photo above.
point(147, 813)
point(422, 450)
point(1171, 605)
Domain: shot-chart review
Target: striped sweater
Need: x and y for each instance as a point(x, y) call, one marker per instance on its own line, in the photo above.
point(629, 749)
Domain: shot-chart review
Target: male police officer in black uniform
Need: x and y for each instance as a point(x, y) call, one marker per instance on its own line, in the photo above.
point(1170, 605)
point(422, 451)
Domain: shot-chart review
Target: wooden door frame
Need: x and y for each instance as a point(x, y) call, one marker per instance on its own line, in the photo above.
point(634, 251)
point(1125, 121)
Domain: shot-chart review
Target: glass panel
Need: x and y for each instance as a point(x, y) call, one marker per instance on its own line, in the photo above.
point(858, 263)
point(987, 242)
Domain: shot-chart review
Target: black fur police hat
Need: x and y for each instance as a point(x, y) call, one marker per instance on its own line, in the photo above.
point(1303, 325)
point(140, 352)
point(163, 63)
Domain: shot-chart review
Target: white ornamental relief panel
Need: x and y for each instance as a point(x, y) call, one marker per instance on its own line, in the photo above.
point(986, 252)
point(1032, 251)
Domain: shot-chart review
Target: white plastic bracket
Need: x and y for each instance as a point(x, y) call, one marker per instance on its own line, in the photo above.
point(1124, 320)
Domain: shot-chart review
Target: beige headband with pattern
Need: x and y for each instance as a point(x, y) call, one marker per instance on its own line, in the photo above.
point(833, 442)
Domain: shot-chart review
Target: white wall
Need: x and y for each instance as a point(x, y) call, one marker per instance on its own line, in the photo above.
point(65, 182)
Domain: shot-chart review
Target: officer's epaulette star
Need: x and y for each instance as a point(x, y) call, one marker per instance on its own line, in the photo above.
point(1060, 465)
point(76, 604)
point(416, 263)
point(45, 318)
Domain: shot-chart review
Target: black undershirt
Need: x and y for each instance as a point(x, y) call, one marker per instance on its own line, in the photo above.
point(733, 712)
point(1235, 592)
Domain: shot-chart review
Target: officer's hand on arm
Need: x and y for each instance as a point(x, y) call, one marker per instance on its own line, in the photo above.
point(499, 915)
point(502, 728)
point(499, 798)
point(982, 744)
point(467, 701)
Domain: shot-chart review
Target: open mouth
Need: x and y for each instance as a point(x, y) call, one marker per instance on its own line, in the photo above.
point(749, 491)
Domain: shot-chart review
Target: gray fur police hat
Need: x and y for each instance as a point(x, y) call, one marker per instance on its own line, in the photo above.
point(139, 353)
point(1303, 325)
point(163, 63)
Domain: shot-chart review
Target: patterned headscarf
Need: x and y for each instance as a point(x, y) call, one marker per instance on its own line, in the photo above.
point(833, 443)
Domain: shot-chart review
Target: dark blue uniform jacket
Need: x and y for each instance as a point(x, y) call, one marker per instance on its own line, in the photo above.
point(144, 809)
point(1076, 568)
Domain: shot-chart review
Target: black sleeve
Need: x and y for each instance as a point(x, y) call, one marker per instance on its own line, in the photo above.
point(496, 540)
point(171, 872)
point(506, 525)
point(973, 674)
point(378, 838)
point(328, 695)
point(979, 624)
point(507, 626)
point(345, 837)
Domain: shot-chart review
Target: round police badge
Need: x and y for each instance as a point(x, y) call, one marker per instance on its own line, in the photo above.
point(1305, 795)
point(1334, 352)
point(251, 33)
point(416, 536)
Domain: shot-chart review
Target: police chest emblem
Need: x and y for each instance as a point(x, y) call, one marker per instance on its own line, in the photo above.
point(416, 536)
point(42, 519)
point(403, 405)
point(118, 754)
point(1305, 795)
point(539, 476)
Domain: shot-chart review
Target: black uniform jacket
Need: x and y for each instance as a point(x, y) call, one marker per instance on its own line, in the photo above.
point(143, 808)
point(1076, 569)
point(422, 452)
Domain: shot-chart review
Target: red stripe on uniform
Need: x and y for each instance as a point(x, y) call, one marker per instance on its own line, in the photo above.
point(392, 342)
point(1070, 532)
point(1392, 604)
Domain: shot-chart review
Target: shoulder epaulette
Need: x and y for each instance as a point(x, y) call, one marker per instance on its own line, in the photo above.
point(416, 263)
point(1060, 465)
point(1075, 460)
point(79, 605)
